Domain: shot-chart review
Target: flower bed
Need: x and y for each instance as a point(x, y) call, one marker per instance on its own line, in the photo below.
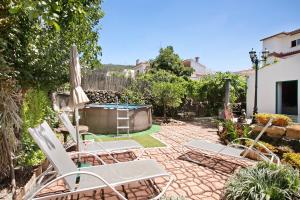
point(292, 159)
point(278, 120)
point(31, 182)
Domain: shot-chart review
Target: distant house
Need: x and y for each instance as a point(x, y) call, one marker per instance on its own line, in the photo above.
point(278, 81)
point(141, 67)
point(245, 73)
point(199, 69)
point(129, 73)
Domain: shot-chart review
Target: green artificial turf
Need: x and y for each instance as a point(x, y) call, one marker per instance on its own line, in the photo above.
point(143, 137)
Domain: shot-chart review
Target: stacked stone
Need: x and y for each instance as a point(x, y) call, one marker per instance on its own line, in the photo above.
point(102, 96)
point(291, 132)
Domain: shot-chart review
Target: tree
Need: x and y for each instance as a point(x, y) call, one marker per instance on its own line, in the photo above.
point(9, 121)
point(141, 88)
point(35, 41)
point(38, 36)
point(169, 61)
point(211, 89)
point(168, 95)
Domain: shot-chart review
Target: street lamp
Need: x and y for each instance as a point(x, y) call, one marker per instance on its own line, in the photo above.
point(255, 61)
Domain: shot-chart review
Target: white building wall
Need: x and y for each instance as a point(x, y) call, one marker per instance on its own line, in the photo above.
point(285, 70)
point(140, 69)
point(198, 67)
point(281, 43)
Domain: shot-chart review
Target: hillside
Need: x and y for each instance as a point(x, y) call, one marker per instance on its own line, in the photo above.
point(116, 67)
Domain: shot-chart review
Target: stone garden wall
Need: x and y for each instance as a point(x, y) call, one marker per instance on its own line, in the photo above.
point(61, 100)
point(102, 96)
point(291, 132)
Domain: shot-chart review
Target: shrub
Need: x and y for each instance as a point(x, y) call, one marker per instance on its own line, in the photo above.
point(35, 109)
point(233, 130)
point(292, 159)
point(230, 130)
point(265, 181)
point(283, 150)
point(211, 89)
point(159, 88)
point(278, 120)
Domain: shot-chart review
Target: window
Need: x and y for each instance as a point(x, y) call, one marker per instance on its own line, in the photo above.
point(295, 43)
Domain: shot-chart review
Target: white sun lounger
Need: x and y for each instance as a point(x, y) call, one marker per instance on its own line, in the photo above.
point(91, 178)
point(233, 149)
point(109, 147)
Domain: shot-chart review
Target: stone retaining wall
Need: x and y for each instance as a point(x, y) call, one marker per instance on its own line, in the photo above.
point(102, 96)
point(291, 132)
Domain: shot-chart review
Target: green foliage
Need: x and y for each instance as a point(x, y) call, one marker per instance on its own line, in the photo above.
point(141, 88)
point(169, 61)
point(292, 159)
point(35, 109)
point(265, 181)
point(160, 88)
point(168, 95)
point(211, 89)
point(134, 96)
point(36, 37)
point(232, 131)
point(115, 67)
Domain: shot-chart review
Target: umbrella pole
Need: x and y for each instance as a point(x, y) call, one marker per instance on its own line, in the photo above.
point(77, 133)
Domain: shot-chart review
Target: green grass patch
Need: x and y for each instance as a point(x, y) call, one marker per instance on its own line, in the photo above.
point(143, 137)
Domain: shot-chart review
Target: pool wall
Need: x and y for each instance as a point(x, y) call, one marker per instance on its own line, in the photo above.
point(103, 120)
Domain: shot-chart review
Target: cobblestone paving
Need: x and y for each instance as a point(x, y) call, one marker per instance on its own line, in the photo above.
point(192, 181)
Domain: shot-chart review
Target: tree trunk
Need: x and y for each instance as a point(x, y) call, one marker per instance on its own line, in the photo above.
point(11, 164)
point(165, 113)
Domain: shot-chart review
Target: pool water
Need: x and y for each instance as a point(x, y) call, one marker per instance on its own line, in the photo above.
point(114, 106)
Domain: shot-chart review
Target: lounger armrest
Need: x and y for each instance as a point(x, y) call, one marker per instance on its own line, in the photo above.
point(79, 190)
point(252, 147)
point(251, 140)
point(88, 153)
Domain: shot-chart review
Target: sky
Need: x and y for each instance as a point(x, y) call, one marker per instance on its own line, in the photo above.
point(220, 32)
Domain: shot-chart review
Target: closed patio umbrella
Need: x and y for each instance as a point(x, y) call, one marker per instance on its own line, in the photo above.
point(78, 97)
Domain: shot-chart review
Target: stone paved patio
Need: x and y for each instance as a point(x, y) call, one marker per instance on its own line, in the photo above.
point(192, 181)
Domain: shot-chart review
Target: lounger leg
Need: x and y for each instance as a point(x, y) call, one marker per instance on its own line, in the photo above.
point(164, 189)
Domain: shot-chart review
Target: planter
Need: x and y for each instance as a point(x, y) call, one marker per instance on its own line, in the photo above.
point(31, 183)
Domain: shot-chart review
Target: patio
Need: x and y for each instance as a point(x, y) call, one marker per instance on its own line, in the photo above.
point(192, 181)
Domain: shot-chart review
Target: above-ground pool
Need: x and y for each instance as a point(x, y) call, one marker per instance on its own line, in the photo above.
point(102, 118)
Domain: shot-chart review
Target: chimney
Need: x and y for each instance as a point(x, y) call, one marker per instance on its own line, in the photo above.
point(197, 59)
point(137, 61)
